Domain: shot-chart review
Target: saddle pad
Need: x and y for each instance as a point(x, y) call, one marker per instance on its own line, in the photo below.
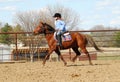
point(65, 37)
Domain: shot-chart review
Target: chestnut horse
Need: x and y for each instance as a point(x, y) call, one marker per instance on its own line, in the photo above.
point(78, 41)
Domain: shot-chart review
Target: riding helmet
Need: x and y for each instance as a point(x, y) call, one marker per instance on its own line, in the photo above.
point(57, 15)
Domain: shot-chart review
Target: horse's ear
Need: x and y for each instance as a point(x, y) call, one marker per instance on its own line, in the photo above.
point(41, 22)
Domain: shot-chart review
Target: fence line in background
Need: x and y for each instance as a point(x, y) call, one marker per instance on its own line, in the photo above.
point(30, 33)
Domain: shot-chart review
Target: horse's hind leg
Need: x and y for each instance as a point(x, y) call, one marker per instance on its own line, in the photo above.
point(59, 54)
point(87, 53)
point(77, 54)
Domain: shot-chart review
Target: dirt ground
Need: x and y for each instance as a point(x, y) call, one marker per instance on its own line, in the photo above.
point(80, 71)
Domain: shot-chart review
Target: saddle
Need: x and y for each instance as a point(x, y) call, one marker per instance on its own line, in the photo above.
point(65, 36)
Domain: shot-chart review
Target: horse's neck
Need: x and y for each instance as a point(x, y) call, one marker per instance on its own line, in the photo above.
point(49, 37)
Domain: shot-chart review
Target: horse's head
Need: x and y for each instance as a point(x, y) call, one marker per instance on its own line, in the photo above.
point(39, 28)
point(43, 28)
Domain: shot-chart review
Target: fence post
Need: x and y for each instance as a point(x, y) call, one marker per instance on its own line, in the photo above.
point(31, 48)
point(16, 46)
point(70, 53)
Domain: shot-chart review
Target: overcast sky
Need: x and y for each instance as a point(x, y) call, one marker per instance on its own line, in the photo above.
point(92, 12)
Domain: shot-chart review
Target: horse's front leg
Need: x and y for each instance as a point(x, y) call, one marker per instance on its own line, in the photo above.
point(65, 63)
point(47, 56)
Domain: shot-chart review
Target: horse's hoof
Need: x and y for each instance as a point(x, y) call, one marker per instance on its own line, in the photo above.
point(43, 63)
point(65, 64)
point(91, 64)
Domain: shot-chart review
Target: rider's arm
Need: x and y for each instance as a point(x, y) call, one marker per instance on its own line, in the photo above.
point(60, 25)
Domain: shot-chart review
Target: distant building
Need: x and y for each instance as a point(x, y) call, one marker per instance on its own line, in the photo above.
point(5, 52)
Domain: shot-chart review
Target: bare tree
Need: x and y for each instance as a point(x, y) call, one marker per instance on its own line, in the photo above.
point(29, 19)
point(71, 18)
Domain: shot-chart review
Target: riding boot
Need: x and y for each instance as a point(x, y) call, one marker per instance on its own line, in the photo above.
point(59, 40)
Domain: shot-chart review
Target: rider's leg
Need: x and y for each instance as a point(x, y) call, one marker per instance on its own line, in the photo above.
point(59, 39)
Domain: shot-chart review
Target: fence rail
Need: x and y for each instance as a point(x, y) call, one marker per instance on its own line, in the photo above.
point(33, 43)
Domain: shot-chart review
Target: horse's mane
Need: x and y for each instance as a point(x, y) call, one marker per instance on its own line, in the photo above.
point(50, 28)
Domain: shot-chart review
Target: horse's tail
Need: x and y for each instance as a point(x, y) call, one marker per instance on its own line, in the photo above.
point(92, 42)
